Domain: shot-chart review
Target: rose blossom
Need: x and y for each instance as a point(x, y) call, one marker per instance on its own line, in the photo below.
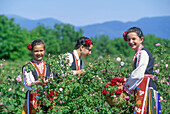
point(163, 80)
point(166, 65)
point(122, 63)
point(127, 97)
point(158, 44)
point(164, 100)
point(61, 89)
point(9, 89)
point(157, 64)
point(114, 96)
point(161, 98)
point(19, 78)
point(1, 103)
point(167, 83)
point(1, 65)
point(154, 78)
point(118, 59)
point(23, 89)
point(0, 93)
point(157, 71)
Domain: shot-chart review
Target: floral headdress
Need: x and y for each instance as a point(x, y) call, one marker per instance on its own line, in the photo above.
point(88, 42)
point(125, 35)
point(29, 47)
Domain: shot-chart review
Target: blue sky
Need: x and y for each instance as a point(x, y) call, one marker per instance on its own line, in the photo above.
point(84, 12)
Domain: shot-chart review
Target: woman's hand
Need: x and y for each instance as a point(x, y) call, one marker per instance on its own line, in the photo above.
point(39, 82)
point(120, 87)
point(80, 71)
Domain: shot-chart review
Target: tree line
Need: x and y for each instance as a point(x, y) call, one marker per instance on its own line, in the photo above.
point(61, 39)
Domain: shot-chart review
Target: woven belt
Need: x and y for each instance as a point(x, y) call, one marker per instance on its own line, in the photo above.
point(148, 76)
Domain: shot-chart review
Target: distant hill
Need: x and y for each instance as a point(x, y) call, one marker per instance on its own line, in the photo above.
point(31, 24)
point(159, 26)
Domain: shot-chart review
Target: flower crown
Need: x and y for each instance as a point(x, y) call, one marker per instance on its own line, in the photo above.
point(125, 35)
point(29, 47)
point(88, 42)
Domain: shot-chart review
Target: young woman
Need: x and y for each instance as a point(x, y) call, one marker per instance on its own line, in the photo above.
point(140, 80)
point(82, 48)
point(40, 71)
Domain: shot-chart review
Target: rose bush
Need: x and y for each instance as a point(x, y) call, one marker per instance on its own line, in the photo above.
point(80, 94)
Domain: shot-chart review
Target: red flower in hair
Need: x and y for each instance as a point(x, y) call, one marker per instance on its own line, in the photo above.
point(125, 35)
point(29, 47)
point(88, 42)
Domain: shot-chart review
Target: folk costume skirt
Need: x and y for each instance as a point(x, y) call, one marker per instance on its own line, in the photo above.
point(31, 103)
point(147, 98)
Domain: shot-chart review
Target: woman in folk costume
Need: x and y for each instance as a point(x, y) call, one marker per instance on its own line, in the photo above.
point(40, 71)
point(82, 48)
point(140, 81)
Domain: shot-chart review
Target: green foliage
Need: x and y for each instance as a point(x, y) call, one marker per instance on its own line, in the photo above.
point(12, 39)
point(162, 75)
point(81, 94)
point(59, 40)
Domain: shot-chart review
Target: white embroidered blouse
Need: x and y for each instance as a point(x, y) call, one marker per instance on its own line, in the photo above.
point(28, 76)
point(137, 74)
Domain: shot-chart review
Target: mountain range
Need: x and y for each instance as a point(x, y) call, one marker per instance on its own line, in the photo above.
point(159, 26)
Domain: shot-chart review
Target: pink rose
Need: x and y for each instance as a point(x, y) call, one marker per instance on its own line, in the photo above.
point(166, 65)
point(1, 64)
point(23, 89)
point(161, 98)
point(154, 78)
point(118, 59)
point(122, 63)
point(158, 44)
point(19, 78)
point(1, 103)
point(61, 89)
point(163, 80)
point(157, 71)
point(127, 97)
point(9, 89)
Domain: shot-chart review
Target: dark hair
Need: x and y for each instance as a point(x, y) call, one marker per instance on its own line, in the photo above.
point(37, 42)
point(82, 41)
point(135, 29)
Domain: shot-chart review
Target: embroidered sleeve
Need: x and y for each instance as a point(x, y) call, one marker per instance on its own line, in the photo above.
point(28, 79)
point(138, 74)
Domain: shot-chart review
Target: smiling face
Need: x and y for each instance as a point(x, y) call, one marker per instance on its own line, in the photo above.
point(86, 51)
point(38, 52)
point(134, 41)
